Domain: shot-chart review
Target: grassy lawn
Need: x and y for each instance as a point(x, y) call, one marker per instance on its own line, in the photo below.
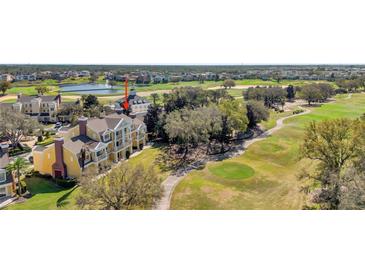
point(30, 90)
point(274, 116)
point(234, 171)
point(149, 158)
point(47, 195)
point(237, 93)
point(275, 161)
point(9, 101)
point(46, 141)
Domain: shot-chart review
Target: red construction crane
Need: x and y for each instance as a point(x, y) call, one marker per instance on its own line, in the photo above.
point(125, 103)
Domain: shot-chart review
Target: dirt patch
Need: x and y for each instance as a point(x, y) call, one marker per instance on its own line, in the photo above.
point(207, 189)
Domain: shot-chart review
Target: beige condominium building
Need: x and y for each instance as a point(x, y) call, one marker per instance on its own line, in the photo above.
point(43, 108)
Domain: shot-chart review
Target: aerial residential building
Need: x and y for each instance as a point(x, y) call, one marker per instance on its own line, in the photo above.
point(138, 105)
point(6, 77)
point(26, 77)
point(7, 185)
point(90, 144)
point(84, 73)
point(43, 108)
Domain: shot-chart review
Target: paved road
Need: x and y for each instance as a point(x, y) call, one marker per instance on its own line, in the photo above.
point(173, 180)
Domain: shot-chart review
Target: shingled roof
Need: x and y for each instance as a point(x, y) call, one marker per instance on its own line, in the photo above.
point(108, 122)
point(44, 98)
point(75, 144)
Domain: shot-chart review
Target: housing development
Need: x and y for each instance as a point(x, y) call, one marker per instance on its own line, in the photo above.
point(182, 137)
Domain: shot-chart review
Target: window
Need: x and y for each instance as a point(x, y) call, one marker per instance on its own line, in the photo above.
point(106, 137)
point(2, 191)
point(2, 175)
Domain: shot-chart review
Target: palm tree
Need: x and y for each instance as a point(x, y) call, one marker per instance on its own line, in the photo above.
point(18, 165)
point(155, 97)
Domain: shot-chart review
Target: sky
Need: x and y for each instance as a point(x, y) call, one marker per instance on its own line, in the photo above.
point(182, 32)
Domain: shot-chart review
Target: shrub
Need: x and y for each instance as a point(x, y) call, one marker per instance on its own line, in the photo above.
point(298, 111)
point(45, 176)
point(19, 150)
point(66, 183)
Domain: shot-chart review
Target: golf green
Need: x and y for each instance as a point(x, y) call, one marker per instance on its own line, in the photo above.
point(231, 170)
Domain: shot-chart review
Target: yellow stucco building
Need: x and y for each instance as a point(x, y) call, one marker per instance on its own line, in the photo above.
point(90, 144)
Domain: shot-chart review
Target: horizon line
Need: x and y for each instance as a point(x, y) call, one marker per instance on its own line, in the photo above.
point(187, 64)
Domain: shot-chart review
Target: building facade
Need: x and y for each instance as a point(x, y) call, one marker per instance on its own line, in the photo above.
point(7, 185)
point(90, 144)
point(138, 105)
point(42, 108)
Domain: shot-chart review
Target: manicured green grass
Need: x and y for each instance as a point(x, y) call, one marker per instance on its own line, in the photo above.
point(149, 157)
point(46, 141)
point(232, 170)
point(30, 90)
point(47, 195)
point(9, 101)
point(235, 92)
point(276, 162)
point(274, 116)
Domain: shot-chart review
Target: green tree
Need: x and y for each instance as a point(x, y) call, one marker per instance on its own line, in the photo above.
point(15, 125)
point(4, 86)
point(125, 187)
point(256, 112)
point(185, 128)
point(311, 93)
point(90, 101)
point(93, 77)
point(229, 83)
point(155, 98)
point(290, 92)
point(41, 90)
point(234, 119)
point(112, 83)
point(18, 166)
point(334, 144)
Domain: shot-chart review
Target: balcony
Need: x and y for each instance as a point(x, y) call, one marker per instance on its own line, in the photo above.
point(101, 157)
point(122, 146)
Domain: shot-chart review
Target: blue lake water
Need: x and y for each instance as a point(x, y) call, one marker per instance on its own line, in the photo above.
point(92, 89)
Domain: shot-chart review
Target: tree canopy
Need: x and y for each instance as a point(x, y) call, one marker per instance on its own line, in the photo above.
point(124, 187)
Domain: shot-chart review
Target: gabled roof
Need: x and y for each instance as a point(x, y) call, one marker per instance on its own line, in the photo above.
point(75, 144)
point(134, 99)
point(137, 122)
point(44, 98)
point(108, 122)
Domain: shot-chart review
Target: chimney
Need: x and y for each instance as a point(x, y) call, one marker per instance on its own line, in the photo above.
point(59, 167)
point(82, 125)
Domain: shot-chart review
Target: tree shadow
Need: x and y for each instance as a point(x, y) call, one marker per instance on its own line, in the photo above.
point(62, 201)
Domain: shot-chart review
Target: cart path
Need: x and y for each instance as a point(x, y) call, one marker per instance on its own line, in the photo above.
point(173, 180)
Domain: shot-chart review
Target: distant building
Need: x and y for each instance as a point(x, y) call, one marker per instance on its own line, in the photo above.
point(26, 77)
point(84, 73)
point(7, 77)
point(138, 105)
point(7, 184)
point(43, 108)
